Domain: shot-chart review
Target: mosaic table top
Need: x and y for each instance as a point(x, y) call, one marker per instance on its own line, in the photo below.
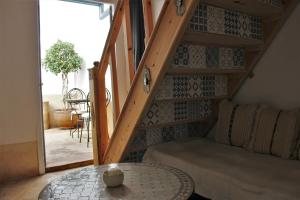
point(141, 181)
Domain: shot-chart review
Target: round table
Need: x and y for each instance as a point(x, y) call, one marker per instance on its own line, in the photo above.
point(141, 181)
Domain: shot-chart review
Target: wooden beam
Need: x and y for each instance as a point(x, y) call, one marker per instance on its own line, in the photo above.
point(115, 84)
point(168, 32)
point(148, 19)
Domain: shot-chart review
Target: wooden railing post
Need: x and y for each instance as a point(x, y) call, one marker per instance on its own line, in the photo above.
point(148, 19)
point(128, 34)
point(115, 83)
point(94, 115)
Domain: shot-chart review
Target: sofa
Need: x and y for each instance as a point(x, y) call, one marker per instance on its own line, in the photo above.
point(252, 154)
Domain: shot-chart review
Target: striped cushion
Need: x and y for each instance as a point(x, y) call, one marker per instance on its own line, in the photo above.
point(261, 141)
point(286, 134)
point(235, 123)
point(222, 128)
point(243, 123)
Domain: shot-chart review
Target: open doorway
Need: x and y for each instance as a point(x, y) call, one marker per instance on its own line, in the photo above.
point(79, 27)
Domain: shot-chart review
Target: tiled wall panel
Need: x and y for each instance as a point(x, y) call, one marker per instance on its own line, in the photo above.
point(162, 112)
point(192, 86)
point(212, 19)
point(202, 57)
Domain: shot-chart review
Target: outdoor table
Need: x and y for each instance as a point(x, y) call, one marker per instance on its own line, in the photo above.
point(141, 181)
point(76, 101)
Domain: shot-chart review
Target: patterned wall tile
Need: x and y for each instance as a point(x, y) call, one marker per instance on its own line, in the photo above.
point(194, 87)
point(180, 85)
point(166, 111)
point(215, 20)
point(256, 27)
point(208, 86)
point(180, 111)
point(168, 134)
point(195, 110)
point(151, 117)
point(165, 89)
point(181, 57)
point(203, 109)
point(244, 26)
point(212, 57)
point(197, 56)
point(180, 132)
point(231, 22)
point(221, 86)
point(238, 57)
point(226, 57)
point(139, 140)
point(154, 136)
point(199, 19)
point(207, 108)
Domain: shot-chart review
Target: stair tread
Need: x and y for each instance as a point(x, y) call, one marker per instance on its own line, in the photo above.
point(173, 123)
point(254, 7)
point(220, 40)
point(193, 98)
point(186, 70)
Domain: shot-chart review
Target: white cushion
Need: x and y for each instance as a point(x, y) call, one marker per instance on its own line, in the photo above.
point(223, 172)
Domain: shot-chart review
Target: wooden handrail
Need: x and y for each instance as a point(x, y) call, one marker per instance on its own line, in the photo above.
point(99, 89)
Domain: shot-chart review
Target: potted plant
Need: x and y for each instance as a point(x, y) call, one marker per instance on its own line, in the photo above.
point(61, 59)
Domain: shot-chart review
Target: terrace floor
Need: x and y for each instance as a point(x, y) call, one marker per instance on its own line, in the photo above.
point(61, 148)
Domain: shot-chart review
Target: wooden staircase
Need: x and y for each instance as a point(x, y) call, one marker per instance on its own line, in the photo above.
point(168, 59)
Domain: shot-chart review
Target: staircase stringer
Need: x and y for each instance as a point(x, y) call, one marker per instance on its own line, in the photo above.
point(167, 34)
point(271, 29)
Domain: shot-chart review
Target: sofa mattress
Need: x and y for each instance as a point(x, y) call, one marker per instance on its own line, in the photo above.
point(222, 172)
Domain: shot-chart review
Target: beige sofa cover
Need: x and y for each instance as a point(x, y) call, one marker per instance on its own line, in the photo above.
point(223, 172)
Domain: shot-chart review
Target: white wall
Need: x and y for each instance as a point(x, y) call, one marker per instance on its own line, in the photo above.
point(156, 8)
point(76, 23)
point(277, 75)
point(19, 72)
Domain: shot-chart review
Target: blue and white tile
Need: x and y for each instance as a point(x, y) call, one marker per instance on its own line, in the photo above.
point(151, 117)
point(197, 56)
point(180, 132)
point(226, 57)
point(244, 26)
point(221, 85)
point(198, 22)
point(208, 86)
point(180, 111)
point(180, 85)
point(154, 136)
point(238, 57)
point(165, 89)
point(212, 57)
point(231, 22)
point(181, 57)
point(168, 134)
point(166, 111)
point(139, 140)
point(194, 87)
point(215, 20)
